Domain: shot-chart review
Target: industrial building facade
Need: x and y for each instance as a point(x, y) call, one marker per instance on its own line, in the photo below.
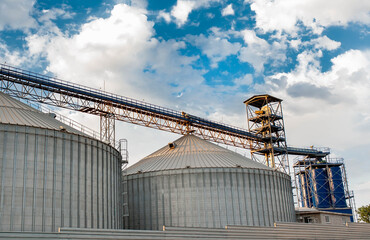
point(54, 177)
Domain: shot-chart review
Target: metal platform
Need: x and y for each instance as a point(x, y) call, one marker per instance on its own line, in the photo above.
point(313, 153)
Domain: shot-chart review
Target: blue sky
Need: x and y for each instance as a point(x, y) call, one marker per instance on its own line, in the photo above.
point(206, 57)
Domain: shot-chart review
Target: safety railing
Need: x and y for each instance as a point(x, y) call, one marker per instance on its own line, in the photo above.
point(102, 95)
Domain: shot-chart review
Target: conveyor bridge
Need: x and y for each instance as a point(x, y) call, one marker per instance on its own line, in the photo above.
point(49, 90)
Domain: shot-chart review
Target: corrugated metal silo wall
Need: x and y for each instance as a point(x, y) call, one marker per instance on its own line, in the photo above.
point(210, 197)
point(52, 179)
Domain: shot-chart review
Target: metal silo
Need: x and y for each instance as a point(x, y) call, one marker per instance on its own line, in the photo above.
point(52, 175)
point(194, 183)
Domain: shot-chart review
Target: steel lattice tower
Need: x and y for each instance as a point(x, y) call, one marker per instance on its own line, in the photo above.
point(265, 119)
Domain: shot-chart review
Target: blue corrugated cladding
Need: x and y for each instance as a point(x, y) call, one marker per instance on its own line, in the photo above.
point(337, 188)
point(321, 187)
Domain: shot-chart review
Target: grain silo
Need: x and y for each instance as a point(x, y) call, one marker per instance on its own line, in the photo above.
point(52, 175)
point(194, 183)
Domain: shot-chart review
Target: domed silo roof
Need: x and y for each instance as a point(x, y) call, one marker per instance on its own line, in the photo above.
point(53, 177)
point(15, 112)
point(190, 151)
point(194, 183)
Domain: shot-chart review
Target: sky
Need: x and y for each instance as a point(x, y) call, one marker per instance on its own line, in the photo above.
point(206, 57)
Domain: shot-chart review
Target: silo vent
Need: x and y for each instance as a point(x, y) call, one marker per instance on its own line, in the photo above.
point(188, 166)
point(172, 145)
point(238, 166)
point(62, 128)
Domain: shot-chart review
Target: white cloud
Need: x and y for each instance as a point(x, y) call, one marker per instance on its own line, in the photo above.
point(183, 8)
point(164, 15)
point(283, 15)
point(228, 10)
point(318, 43)
point(103, 46)
point(362, 193)
point(245, 80)
point(216, 48)
point(295, 43)
point(329, 109)
point(134, 3)
point(121, 52)
point(325, 43)
point(333, 106)
point(258, 51)
point(38, 42)
point(16, 14)
point(54, 13)
point(14, 58)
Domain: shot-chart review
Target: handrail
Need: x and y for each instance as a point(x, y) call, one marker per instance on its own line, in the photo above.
point(66, 120)
point(106, 96)
point(98, 95)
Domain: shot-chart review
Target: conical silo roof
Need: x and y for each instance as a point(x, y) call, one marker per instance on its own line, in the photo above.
point(190, 151)
point(15, 112)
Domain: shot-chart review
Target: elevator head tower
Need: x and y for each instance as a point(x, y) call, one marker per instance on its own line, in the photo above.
point(265, 119)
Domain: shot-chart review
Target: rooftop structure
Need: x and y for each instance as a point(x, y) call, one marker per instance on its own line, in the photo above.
point(15, 112)
point(190, 151)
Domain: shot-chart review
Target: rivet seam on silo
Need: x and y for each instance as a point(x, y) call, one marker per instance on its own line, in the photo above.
point(92, 185)
point(54, 182)
point(46, 146)
point(3, 165)
point(34, 183)
point(14, 181)
point(71, 162)
point(97, 188)
point(62, 213)
point(25, 166)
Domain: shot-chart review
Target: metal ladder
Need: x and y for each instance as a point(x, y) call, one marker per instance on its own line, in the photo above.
point(122, 146)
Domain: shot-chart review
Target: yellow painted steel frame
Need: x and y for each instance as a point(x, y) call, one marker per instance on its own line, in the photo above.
point(265, 119)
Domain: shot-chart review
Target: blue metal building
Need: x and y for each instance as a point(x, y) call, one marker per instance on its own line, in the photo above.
point(322, 184)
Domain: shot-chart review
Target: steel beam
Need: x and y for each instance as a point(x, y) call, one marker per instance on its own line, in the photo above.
point(110, 107)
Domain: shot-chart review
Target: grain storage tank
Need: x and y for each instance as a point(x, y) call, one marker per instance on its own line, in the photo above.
point(52, 175)
point(194, 183)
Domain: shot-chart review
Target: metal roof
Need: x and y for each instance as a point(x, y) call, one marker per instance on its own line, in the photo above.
point(190, 151)
point(15, 112)
point(260, 100)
